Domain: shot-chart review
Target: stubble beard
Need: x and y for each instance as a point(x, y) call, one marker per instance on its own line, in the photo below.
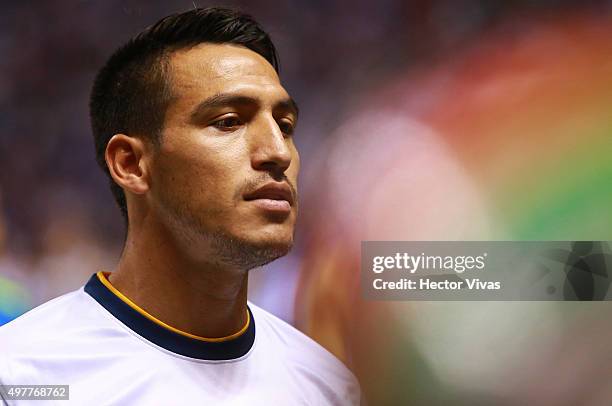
point(245, 255)
point(224, 249)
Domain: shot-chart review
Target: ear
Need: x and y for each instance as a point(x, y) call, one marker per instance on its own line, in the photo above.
point(126, 160)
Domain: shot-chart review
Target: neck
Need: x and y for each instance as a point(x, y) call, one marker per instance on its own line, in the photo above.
point(198, 297)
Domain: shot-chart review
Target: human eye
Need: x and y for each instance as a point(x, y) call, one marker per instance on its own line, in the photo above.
point(287, 127)
point(227, 123)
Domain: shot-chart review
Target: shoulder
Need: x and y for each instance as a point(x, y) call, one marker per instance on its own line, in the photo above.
point(48, 334)
point(39, 314)
point(56, 324)
point(49, 342)
point(29, 332)
point(50, 317)
point(290, 337)
point(304, 353)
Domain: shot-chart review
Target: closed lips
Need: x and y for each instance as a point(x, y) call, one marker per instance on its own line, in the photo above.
point(272, 191)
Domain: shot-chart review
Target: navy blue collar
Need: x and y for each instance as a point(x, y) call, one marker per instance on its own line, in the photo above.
point(168, 339)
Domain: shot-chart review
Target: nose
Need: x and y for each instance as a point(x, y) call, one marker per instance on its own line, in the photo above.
point(270, 148)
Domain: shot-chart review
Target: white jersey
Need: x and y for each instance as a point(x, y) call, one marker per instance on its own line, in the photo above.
point(109, 353)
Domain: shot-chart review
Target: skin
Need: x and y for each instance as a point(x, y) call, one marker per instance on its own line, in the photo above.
point(192, 236)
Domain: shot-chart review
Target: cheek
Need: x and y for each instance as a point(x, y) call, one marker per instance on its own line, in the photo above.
point(200, 171)
point(294, 169)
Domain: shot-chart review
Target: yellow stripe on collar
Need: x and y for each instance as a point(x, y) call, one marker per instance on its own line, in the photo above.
point(102, 276)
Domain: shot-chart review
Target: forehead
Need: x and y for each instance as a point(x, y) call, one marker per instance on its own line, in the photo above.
point(209, 69)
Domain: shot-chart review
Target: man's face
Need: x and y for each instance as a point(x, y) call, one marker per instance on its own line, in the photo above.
point(225, 175)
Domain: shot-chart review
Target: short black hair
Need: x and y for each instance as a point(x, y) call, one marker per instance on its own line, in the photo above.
point(131, 92)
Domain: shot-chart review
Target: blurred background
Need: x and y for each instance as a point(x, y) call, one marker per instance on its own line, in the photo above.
point(420, 120)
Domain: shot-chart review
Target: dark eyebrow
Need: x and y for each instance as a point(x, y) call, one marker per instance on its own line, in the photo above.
point(224, 100)
point(290, 105)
